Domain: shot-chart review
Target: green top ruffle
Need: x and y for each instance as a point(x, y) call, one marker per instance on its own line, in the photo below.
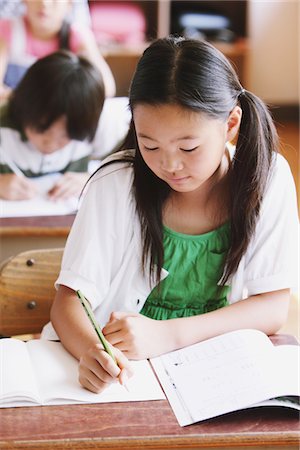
point(195, 265)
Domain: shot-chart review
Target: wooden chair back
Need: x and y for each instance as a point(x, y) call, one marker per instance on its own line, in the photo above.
point(27, 290)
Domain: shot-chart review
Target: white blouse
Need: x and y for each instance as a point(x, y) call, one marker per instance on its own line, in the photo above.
point(103, 252)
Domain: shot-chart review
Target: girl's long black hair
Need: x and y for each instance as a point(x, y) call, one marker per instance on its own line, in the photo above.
point(195, 75)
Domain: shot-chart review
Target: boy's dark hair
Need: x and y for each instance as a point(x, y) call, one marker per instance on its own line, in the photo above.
point(195, 75)
point(56, 85)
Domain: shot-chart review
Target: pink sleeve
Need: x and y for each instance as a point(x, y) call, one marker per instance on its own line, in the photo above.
point(5, 30)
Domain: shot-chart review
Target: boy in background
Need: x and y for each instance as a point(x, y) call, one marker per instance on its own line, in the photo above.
point(47, 126)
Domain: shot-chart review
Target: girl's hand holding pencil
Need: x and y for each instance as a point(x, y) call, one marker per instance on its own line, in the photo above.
point(97, 370)
point(102, 364)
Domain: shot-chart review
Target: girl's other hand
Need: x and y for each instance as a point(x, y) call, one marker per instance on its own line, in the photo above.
point(14, 187)
point(138, 336)
point(97, 370)
point(69, 185)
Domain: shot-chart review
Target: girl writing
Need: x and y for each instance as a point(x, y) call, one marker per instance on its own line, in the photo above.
point(42, 30)
point(182, 237)
point(47, 127)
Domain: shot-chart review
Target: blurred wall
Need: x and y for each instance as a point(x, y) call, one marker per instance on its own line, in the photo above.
point(273, 28)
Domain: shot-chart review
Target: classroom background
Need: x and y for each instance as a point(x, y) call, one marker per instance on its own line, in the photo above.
point(261, 38)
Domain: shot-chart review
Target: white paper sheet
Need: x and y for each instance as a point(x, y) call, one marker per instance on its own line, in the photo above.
point(41, 205)
point(50, 373)
point(226, 373)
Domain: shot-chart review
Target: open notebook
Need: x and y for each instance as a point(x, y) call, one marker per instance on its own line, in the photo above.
point(40, 372)
point(236, 370)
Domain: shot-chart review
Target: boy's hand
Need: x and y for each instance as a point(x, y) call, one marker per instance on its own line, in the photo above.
point(97, 370)
point(69, 185)
point(138, 336)
point(14, 187)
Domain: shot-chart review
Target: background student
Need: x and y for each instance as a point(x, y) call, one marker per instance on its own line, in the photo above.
point(181, 238)
point(43, 29)
point(47, 126)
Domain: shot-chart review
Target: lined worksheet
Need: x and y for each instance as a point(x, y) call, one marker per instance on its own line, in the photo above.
point(226, 373)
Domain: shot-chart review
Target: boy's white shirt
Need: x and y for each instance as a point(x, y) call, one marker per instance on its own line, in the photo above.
point(27, 157)
point(103, 253)
point(112, 128)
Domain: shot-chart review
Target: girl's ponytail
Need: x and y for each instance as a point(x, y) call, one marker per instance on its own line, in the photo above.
point(251, 166)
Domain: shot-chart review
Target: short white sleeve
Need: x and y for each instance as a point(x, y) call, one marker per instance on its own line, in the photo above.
point(98, 238)
point(112, 127)
point(271, 260)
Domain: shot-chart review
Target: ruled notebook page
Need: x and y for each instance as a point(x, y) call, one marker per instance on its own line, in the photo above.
point(224, 374)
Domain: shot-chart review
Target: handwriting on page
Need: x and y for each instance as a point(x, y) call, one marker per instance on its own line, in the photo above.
point(202, 375)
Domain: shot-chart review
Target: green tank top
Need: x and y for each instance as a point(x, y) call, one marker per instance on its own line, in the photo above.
point(195, 265)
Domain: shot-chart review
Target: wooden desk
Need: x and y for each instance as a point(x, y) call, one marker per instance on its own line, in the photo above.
point(145, 425)
point(25, 233)
point(142, 425)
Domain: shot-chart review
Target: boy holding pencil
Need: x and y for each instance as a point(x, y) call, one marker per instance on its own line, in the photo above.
point(47, 126)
